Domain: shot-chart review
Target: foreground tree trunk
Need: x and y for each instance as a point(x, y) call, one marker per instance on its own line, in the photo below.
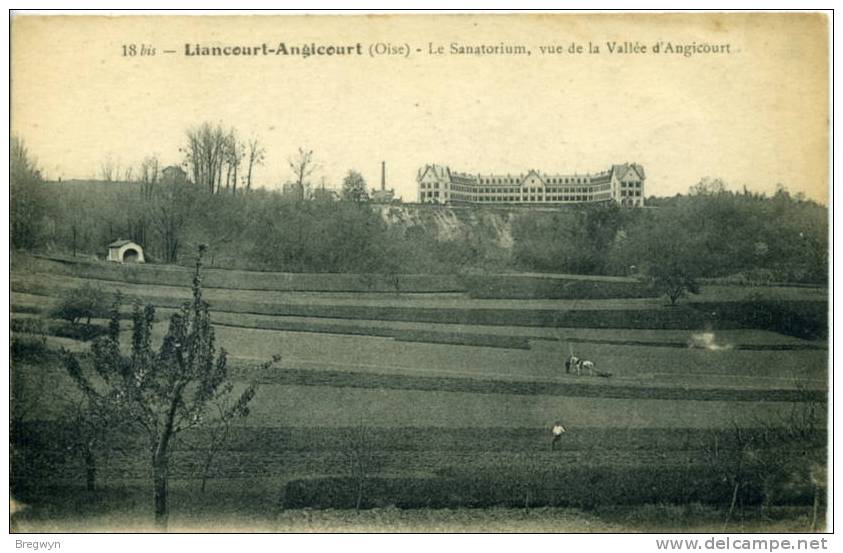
point(160, 469)
point(161, 461)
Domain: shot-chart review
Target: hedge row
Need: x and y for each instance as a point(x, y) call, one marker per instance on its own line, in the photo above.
point(79, 331)
point(171, 275)
point(681, 318)
point(477, 286)
point(404, 335)
point(540, 287)
point(579, 487)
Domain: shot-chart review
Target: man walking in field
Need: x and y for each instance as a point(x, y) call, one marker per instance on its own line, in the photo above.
point(558, 429)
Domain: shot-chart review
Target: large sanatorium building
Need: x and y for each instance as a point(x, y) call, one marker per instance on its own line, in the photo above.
point(622, 184)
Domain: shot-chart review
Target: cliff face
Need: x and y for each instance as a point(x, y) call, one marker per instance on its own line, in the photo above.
point(448, 224)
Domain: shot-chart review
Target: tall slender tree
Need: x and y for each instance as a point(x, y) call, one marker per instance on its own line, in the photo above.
point(206, 152)
point(256, 157)
point(27, 205)
point(302, 165)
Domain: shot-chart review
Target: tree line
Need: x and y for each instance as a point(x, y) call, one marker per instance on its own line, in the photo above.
point(708, 232)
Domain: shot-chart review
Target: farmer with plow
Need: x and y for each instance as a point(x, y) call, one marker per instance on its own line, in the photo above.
point(574, 363)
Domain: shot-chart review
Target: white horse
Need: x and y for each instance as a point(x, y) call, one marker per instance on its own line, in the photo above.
point(585, 365)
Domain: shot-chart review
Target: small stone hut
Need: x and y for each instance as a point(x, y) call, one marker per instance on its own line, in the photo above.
point(125, 251)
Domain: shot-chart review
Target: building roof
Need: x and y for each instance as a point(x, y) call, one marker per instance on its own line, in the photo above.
point(120, 243)
point(442, 172)
point(621, 169)
point(439, 171)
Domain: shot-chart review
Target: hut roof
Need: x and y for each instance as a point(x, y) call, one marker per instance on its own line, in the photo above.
point(120, 243)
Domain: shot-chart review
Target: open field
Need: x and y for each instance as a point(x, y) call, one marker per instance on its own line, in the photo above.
point(640, 366)
point(446, 385)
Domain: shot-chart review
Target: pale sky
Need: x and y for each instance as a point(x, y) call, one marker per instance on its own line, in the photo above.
point(756, 117)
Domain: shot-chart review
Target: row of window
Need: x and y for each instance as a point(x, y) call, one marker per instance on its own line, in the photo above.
point(552, 194)
point(549, 180)
point(512, 199)
point(528, 190)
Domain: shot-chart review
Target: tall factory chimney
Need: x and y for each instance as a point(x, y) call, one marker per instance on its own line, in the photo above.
point(383, 176)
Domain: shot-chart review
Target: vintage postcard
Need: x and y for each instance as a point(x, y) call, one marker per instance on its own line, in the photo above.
point(542, 272)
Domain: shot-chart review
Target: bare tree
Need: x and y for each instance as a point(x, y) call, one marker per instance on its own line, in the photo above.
point(708, 187)
point(109, 169)
point(206, 152)
point(227, 411)
point(129, 173)
point(234, 157)
point(303, 166)
point(149, 172)
point(169, 213)
point(255, 157)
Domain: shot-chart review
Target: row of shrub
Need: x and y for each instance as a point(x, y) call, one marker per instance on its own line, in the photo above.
point(173, 275)
point(578, 487)
point(404, 335)
point(550, 287)
point(461, 338)
point(62, 329)
point(486, 286)
point(681, 318)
